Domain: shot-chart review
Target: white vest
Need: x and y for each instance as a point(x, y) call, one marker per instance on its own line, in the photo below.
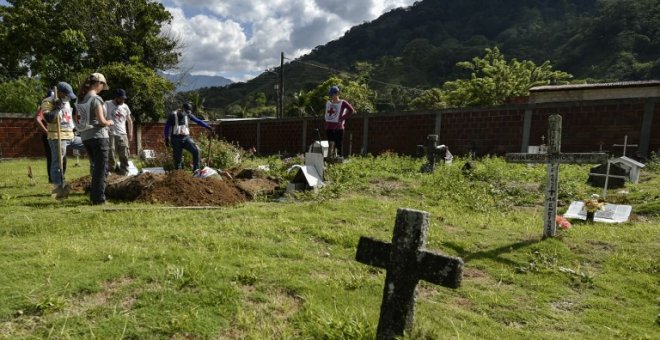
point(183, 128)
point(332, 113)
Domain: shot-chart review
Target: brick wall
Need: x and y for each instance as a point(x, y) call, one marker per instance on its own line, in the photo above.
point(586, 125)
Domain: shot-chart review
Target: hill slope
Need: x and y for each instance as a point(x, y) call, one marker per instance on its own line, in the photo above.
point(419, 46)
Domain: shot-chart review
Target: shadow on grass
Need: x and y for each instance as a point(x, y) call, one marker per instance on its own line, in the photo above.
point(493, 254)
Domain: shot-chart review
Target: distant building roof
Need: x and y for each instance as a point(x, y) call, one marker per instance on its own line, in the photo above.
point(602, 91)
point(595, 86)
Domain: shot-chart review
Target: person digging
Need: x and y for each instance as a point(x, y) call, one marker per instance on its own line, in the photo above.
point(177, 135)
point(59, 116)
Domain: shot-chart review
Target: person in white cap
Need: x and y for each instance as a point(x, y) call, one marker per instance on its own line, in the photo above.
point(91, 122)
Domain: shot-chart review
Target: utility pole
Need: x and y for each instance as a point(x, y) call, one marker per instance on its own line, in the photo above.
point(280, 109)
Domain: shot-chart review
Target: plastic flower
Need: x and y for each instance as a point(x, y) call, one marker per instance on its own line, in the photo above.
point(562, 222)
point(594, 203)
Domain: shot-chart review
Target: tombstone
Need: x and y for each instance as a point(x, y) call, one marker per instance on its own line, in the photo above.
point(147, 154)
point(542, 148)
point(435, 152)
point(611, 213)
point(612, 177)
point(406, 261)
point(309, 175)
point(632, 167)
point(553, 158)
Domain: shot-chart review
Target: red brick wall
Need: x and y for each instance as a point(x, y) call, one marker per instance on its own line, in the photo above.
point(495, 131)
point(584, 128)
point(485, 131)
point(399, 133)
point(21, 137)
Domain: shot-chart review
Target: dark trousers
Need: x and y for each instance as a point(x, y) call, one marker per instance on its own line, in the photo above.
point(179, 143)
point(336, 136)
point(97, 150)
point(44, 140)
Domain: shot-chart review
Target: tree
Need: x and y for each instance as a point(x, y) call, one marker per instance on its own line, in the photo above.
point(145, 87)
point(493, 80)
point(21, 95)
point(55, 39)
point(433, 99)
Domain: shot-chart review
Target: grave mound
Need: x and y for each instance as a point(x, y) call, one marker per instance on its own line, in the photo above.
point(180, 188)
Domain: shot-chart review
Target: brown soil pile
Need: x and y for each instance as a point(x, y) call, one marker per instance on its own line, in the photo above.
point(180, 188)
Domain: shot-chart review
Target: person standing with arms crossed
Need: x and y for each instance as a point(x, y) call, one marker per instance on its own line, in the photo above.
point(177, 128)
point(91, 121)
point(336, 113)
point(121, 133)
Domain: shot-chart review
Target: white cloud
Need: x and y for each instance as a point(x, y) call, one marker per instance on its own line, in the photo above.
point(238, 39)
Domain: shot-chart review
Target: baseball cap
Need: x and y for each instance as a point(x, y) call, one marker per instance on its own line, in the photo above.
point(120, 93)
point(333, 90)
point(66, 89)
point(100, 78)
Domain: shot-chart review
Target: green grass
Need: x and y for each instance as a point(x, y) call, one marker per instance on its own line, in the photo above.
point(286, 269)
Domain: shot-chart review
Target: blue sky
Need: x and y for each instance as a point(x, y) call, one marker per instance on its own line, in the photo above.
point(239, 39)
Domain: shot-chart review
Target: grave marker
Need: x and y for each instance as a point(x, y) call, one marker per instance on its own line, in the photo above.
point(553, 158)
point(407, 261)
point(433, 152)
point(625, 145)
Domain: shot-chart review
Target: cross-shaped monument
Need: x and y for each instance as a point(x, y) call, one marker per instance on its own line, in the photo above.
point(407, 261)
point(553, 158)
point(625, 145)
point(433, 152)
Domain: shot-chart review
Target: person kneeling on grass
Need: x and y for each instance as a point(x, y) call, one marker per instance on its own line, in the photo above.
point(178, 132)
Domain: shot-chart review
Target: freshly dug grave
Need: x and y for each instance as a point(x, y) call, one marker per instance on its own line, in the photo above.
point(179, 188)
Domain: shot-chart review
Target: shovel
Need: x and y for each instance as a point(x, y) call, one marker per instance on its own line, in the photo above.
point(61, 191)
point(208, 154)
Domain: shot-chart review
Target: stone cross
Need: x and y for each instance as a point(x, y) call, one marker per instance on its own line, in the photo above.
point(625, 145)
point(433, 151)
point(553, 158)
point(406, 261)
point(607, 177)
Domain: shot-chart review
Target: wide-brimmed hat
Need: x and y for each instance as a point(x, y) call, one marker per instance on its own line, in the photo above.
point(100, 78)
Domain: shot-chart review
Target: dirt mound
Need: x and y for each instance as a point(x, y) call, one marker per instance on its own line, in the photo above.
point(179, 188)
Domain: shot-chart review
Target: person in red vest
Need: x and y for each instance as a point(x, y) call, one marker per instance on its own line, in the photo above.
point(337, 111)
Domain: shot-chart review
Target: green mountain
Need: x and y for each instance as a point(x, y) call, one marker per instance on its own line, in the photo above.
point(419, 46)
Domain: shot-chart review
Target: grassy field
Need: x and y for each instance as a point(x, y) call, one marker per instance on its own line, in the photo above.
point(286, 270)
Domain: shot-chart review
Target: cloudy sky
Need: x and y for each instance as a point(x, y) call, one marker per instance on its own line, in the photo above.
point(239, 39)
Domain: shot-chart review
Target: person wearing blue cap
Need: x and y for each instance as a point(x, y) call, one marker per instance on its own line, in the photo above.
point(178, 132)
point(337, 111)
point(121, 133)
point(52, 107)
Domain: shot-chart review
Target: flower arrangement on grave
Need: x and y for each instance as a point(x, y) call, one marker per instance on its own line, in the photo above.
point(593, 204)
point(562, 222)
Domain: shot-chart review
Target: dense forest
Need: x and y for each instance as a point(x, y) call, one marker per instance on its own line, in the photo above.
point(419, 46)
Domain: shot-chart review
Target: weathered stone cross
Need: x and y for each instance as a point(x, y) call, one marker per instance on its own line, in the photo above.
point(433, 152)
point(553, 158)
point(407, 261)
